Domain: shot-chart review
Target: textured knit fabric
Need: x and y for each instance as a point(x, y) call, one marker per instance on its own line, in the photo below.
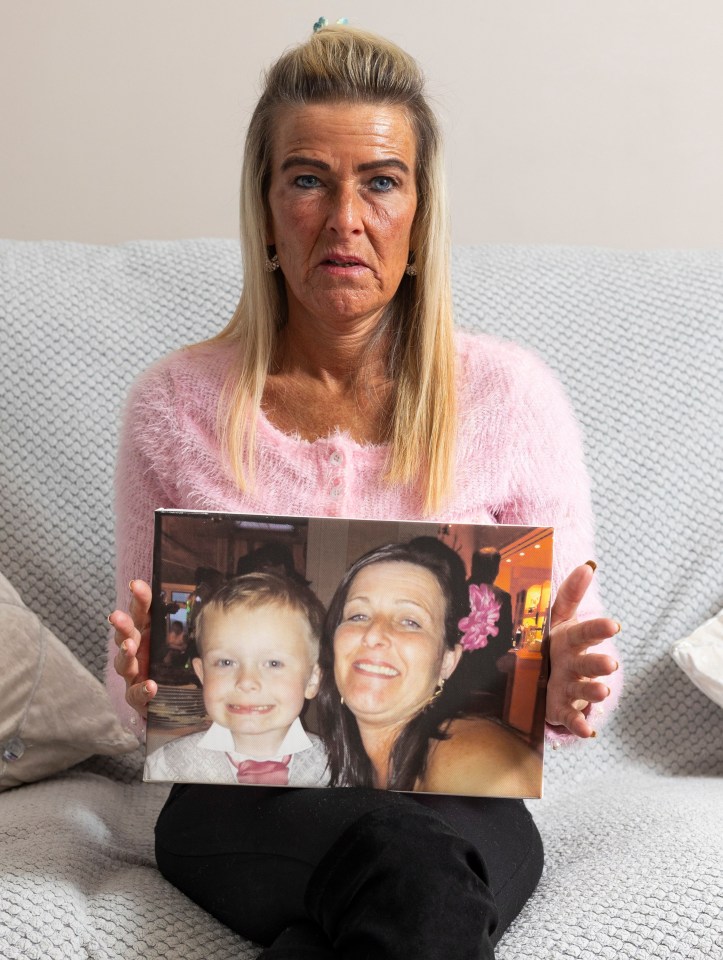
point(518, 461)
point(183, 760)
point(630, 821)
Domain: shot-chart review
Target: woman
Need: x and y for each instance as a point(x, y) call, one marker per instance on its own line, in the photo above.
point(339, 387)
point(391, 642)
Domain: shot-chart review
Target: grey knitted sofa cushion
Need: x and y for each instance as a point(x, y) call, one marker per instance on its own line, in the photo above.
point(631, 821)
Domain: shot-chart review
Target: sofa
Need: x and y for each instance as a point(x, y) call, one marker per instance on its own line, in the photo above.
point(632, 821)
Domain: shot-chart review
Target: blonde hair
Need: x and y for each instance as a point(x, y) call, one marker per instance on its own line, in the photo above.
point(346, 64)
point(261, 589)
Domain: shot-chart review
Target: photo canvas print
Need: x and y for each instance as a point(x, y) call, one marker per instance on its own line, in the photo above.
point(330, 652)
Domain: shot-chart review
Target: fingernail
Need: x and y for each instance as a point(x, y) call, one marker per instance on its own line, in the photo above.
point(109, 619)
point(130, 585)
point(620, 626)
point(124, 647)
point(593, 734)
point(145, 689)
point(592, 565)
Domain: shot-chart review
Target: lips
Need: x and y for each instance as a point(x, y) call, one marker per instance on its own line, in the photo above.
point(249, 709)
point(375, 668)
point(337, 258)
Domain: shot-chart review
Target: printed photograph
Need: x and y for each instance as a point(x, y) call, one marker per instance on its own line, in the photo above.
point(309, 652)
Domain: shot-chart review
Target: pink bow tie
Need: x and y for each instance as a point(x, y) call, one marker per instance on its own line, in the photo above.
point(264, 773)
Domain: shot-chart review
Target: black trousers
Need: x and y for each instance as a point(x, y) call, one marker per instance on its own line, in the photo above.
point(352, 873)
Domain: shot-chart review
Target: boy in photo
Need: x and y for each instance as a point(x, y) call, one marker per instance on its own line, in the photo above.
point(257, 640)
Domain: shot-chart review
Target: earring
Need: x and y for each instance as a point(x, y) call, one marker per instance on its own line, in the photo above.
point(435, 695)
point(410, 269)
point(272, 264)
point(342, 701)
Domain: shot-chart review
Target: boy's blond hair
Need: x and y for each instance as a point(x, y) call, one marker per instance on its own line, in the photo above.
point(254, 590)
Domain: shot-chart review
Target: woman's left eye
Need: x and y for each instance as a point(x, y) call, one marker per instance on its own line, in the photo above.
point(383, 184)
point(274, 663)
point(408, 622)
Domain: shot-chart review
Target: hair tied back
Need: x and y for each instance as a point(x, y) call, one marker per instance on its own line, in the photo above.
point(323, 22)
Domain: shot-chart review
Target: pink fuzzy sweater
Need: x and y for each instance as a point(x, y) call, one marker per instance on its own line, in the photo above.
point(518, 460)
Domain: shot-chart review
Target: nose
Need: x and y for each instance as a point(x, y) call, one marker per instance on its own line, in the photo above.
point(345, 217)
point(375, 634)
point(247, 679)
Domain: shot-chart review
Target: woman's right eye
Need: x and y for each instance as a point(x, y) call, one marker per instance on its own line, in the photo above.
point(355, 617)
point(224, 662)
point(307, 181)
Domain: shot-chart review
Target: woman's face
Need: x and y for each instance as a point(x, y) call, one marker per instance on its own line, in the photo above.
point(342, 200)
point(389, 651)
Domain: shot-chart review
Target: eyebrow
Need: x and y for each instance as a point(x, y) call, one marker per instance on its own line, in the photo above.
point(390, 162)
point(399, 601)
point(298, 161)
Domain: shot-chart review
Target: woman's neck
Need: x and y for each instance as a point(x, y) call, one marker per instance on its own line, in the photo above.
point(325, 380)
point(336, 357)
point(378, 745)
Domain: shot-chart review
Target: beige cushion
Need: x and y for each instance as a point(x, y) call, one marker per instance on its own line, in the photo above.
point(700, 656)
point(48, 701)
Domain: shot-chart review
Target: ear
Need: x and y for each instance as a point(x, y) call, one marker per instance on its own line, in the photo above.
point(450, 661)
point(415, 231)
point(197, 664)
point(312, 687)
point(270, 238)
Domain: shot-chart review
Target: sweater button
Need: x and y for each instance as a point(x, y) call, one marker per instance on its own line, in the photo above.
point(13, 750)
point(336, 457)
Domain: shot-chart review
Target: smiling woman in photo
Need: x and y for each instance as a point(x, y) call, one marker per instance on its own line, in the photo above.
point(390, 643)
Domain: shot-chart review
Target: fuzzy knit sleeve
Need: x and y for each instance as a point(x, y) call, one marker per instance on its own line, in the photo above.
point(144, 481)
point(536, 440)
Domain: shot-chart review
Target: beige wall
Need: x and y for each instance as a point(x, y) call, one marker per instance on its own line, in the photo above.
point(568, 121)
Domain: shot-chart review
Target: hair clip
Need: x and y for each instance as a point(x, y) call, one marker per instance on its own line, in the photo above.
point(323, 22)
point(481, 624)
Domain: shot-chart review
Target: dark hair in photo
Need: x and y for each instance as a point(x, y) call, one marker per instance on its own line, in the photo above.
point(349, 764)
point(485, 565)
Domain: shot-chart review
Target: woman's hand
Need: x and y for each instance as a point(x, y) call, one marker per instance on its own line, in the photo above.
point(132, 636)
point(571, 686)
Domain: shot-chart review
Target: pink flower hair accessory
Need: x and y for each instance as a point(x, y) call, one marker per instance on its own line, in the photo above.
point(481, 624)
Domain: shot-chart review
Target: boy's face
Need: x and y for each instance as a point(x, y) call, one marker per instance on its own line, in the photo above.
point(257, 669)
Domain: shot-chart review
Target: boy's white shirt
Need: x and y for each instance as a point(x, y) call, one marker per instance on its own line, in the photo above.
point(181, 760)
point(220, 738)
